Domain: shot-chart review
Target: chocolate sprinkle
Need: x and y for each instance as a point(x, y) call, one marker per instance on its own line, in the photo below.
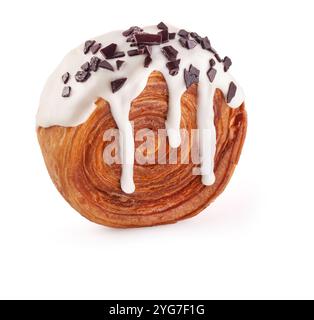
point(147, 61)
point(144, 42)
point(162, 26)
point(191, 76)
point(94, 49)
point(206, 43)
point(82, 76)
point(94, 63)
point(88, 45)
point(173, 67)
point(212, 62)
point(172, 35)
point(117, 84)
point(148, 38)
point(211, 74)
point(169, 52)
point(183, 33)
point(66, 92)
point(66, 77)
point(104, 64)
point(119, 63)
point(109, 51)
point(164, 36)
point(231, 92)
point(227, 63)
point(85, 66)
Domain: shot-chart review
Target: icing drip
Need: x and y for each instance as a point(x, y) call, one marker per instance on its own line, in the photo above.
point(120, 113)
point(76, 109)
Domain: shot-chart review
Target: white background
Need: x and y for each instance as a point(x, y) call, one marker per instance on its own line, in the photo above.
point(255, 241)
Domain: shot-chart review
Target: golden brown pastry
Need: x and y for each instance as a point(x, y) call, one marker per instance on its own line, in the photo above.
point(163, 192)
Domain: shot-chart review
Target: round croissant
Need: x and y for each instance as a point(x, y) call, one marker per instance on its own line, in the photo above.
point(165, 193)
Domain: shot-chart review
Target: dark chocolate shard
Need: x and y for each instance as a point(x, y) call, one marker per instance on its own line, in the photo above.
point(172, 35)
point(118, 54)
point(109, 51)
point(88, 44)
point(117, 84)
point(137, 29)
point(190, 44)
point(217, 56)
point(183, 42)
point(82, 76)
point(147, 61)
point(194, 70)
point(227, 63)
point(205, 43)
point(119, 63)
point(169, 52)
point(162, 26)
point(148, 50)
point(128, 32)
point(196, 37)
point(94, 49)
point(130, 39)
point(141, 47)
point(212, 62)
point(65, 77)
point(94, 63)
point(191, 76)
point(173, 67)
point(183, 33)
point(212, 50)
point(104, 64)
point(85, 66)
point(211, 74)
point(231, 92)
point(66, 92)
point(188, 78)
point(187, 43)
point(134, 52)
point(131, 30)
point(148, 38)
point(164, 36)
point(215, 53)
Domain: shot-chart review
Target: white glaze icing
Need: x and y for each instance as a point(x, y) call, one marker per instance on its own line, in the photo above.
point(76, 109)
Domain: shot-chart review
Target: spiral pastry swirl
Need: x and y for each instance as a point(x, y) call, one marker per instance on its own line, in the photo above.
point(165, 193)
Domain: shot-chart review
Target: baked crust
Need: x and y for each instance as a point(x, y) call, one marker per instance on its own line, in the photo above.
point(165, 193)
